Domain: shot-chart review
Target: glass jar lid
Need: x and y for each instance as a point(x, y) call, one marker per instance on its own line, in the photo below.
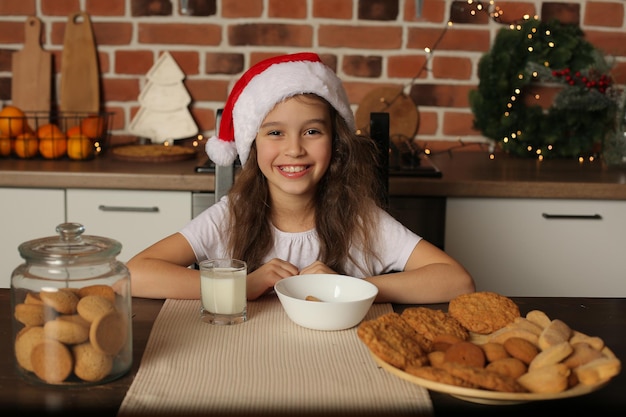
point(70, 247)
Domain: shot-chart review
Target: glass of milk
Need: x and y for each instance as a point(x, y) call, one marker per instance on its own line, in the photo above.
point(223, 291)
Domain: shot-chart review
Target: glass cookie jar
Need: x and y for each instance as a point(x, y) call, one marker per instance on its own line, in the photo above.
point(71, 306)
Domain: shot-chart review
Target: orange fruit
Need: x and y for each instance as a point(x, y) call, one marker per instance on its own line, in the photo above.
point(50, 131)
point(74, 131)
point(6, 146)
point(13, 121)
point(26, 145)
point(80, 147)
point(92, 126)
point(53, 147)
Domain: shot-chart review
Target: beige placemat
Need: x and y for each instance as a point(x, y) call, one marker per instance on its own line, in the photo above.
point(266, 365)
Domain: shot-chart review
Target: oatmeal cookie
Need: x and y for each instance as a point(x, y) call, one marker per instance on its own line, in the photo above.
point(431, 323)
point(391, 342)
point(483, 312)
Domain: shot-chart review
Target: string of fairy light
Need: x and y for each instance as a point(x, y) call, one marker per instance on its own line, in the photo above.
point(495, 13)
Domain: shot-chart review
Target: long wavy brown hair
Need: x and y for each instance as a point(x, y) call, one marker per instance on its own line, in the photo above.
point(345, 203)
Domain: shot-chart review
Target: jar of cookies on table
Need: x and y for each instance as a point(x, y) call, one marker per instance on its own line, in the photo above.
point(71, 305)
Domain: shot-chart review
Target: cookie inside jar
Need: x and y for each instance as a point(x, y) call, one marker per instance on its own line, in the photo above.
point(71, 310)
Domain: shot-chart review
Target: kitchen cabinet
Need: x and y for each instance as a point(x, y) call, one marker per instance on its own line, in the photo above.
point(26, 214)
point(135, 218)
point(540, 247)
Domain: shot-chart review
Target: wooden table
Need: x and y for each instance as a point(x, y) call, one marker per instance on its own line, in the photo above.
point(604, 317)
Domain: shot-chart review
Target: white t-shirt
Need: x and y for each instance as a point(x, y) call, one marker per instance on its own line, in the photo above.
point(393, 245)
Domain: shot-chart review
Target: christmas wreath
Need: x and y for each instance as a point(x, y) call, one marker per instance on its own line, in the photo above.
point(534, 52)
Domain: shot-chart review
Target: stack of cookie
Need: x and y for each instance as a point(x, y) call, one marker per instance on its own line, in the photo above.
point(483, 342)
point(72, 334)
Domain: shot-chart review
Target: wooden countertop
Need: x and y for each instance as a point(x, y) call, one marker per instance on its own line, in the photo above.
point(464, 174)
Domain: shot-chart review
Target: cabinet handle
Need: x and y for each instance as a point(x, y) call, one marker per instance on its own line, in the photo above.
point(153, 209)
point(572, 216)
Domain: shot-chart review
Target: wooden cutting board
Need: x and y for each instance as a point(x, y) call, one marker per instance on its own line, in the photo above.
point(80, 78)
point(32, 71)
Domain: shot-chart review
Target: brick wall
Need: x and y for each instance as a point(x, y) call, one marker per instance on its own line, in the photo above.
point(370, 43)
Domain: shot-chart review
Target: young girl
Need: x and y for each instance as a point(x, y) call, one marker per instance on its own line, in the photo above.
point(304, 202)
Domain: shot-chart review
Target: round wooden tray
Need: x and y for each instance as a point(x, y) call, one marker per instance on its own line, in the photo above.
point(481, 396)
point(153, 153)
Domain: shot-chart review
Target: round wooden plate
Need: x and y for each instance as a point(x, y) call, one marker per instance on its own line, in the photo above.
point(488, 397)
point(403, 114)
point(153, 153)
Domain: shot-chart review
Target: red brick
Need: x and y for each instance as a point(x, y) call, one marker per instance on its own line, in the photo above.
point(332, 9)
point(5, 88)
point(133, 62)
point(601, 13)
point(59, 7)
point(151, 7)
point(406, 66)
point(117, 119)
point(361, 37)
point(208, 90)
point(618, 72)
point(104, 62)
point(238, 8)
point(358, 90)
point(468, 13)
point(362, 66)
point(432, 11)
point(458, 124)
point(440, 95)
point(566, 13)
point(199, 7)
point(428, 123)
point(105, 8)
point(452, 39)
point(112, 33)
point(294, 9)
point(6, 59)
point(611, 43)
point(223, 63)
point(451, 67)
point(514, 11)
point(188, 61)
point(12, 32)
point(17, 8)
point(179, 34)
point(268, 34)
point(205, 118)
point(383, 10)
point(118, 89)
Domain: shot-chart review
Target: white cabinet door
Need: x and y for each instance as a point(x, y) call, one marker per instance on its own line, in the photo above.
point(136, 219)
point(26, 214)
point(535, 247)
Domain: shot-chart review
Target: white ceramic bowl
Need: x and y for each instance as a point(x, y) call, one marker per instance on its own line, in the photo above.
point(344, 300)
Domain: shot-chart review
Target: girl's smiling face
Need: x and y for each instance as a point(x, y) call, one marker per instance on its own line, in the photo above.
point(294, 146)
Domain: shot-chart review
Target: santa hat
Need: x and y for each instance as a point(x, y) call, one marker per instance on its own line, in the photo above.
point(260, 89)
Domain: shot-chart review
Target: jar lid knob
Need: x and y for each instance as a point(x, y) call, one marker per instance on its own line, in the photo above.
point(70, 231)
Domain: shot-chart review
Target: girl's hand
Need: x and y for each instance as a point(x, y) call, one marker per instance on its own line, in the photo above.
point(317, 267)
point(263, 279)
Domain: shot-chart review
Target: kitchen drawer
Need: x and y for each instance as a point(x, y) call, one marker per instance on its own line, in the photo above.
point(27, 213)
point(537, 247)
point(136, 219)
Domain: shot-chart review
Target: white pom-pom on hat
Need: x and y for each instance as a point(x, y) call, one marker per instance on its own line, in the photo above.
point(260, 89)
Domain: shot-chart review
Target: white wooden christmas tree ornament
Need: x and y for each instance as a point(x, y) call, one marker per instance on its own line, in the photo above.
point(164, 104)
